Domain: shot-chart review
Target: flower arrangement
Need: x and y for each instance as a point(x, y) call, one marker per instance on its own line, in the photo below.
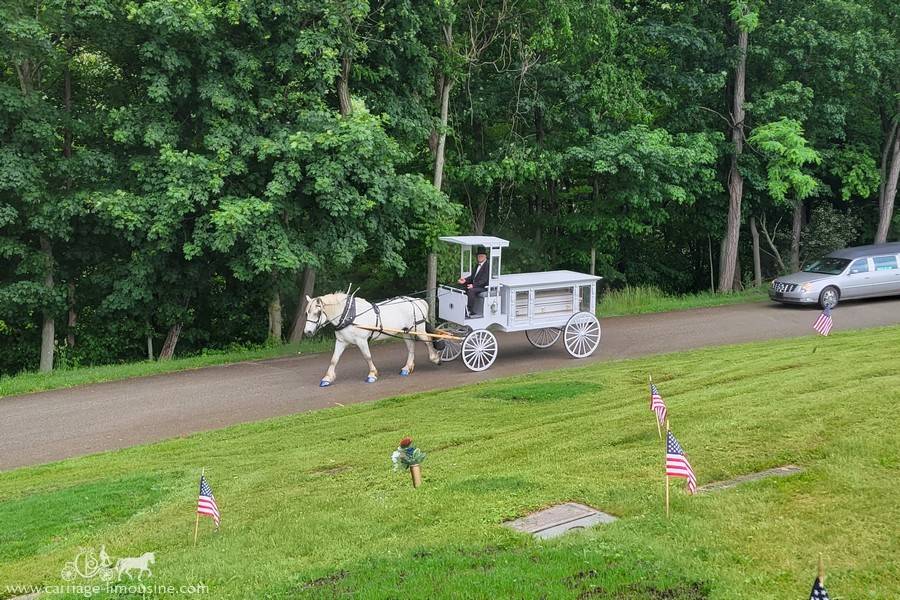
point(407, 456)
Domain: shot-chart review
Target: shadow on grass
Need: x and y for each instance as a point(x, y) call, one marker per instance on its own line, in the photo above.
point(514, 571)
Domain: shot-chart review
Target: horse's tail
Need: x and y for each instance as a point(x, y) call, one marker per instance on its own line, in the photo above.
point(437, 344)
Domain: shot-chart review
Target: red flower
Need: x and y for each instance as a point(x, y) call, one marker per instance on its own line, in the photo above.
point(405, 442)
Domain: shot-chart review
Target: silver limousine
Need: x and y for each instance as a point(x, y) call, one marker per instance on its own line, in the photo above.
point(860, 272)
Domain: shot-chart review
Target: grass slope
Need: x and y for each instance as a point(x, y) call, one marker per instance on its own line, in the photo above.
point(311, 509)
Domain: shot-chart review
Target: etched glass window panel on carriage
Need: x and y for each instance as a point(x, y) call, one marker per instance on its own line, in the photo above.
point(584, 298)
point(554, 304)
point(521, 306)
point(465, 261)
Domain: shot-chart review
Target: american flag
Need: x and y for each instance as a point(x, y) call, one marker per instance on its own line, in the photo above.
point(677, 464)
point(206, 504)
point(657, 404)
point(823, 323)
point(818, 592)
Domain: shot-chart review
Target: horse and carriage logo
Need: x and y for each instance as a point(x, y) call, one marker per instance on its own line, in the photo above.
point(89, 564)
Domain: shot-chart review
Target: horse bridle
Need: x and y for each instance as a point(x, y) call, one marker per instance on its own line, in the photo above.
point(344, 319)
point(319, 323)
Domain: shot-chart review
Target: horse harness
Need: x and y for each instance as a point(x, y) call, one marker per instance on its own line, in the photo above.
point(349, 315)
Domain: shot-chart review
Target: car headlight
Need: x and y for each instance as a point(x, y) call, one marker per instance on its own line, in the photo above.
point(806, 287)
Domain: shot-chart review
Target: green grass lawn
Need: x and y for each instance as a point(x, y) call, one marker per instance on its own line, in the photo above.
point(311, 508)
point(636, 300)
point(25, 383)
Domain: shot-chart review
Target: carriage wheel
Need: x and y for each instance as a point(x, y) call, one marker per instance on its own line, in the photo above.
point(582, 334)
point(479, 350)
point(543, 338)
point(452, 348)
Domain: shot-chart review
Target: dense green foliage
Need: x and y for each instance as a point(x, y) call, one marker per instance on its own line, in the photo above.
point(173, 167)
point(311, 508)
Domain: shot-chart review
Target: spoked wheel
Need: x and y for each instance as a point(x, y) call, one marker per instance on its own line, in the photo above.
point(543, 338)
point(452, 348)
point(582, 334)
point(479, 350)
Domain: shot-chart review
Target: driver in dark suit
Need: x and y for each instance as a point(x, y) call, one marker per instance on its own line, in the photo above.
point(477, 282)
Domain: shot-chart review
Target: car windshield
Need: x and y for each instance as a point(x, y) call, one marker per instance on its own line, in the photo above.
point(827, 266)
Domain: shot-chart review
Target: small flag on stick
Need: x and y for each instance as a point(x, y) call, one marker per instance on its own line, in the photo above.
point(818, 589)
point(824, 323)
point(657, 405)
point(677, 464)
point(206, 505)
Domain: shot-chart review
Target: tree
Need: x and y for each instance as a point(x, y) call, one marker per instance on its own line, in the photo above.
point(744, 19)
point(787, 154)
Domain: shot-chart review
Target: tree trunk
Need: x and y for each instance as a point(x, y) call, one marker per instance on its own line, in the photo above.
point(890, 167)
point(67, 101)
point(149, 347)
point(757, 263)
point(48, 328)
point(73, 317)
point(595, 205)
point(796, 228)
point(440, 149)
point(445, 83)
point(275, 319)
point(771, 242)
point(735, 179)
point(479, 217)
point(343, 86)
point(168, 349)
point(306, 289)
point(737, 283)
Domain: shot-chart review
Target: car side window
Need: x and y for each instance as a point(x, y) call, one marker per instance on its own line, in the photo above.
point(860, 265)
point(885, 263)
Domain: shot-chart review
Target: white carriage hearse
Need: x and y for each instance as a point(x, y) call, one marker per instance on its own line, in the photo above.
point(544, 305)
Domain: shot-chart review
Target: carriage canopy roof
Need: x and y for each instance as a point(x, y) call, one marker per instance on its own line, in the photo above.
point(488, 241)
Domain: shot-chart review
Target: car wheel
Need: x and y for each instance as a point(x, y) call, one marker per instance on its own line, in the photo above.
point(829, 297)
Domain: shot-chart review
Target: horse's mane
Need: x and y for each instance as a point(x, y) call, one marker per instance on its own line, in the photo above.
point(333, 298)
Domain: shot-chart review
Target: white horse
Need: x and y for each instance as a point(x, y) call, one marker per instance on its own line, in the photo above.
point(141, 564)
point(357, 321)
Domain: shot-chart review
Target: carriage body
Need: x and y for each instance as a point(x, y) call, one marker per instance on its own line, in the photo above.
point(543, 304)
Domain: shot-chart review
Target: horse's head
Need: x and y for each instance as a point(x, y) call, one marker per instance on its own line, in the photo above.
point(315, 315)
point(323, 310)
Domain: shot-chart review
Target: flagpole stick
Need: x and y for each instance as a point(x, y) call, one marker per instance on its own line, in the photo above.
point(658, 428)
point(667, 477)
point(197, 520)
point(821, 570)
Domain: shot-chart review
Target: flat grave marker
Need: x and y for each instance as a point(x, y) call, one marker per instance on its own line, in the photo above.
point(557, 520)
point(783, 471)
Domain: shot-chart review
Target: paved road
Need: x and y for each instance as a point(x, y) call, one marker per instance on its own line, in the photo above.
point(47, 426)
